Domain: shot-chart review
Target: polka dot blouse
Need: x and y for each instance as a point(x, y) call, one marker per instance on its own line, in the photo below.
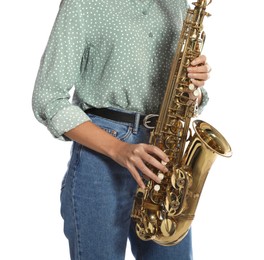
point(115, 53)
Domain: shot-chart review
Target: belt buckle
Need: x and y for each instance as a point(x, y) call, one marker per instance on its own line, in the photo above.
point(148, 119)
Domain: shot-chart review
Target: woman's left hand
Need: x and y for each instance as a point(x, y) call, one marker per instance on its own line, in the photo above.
point(199, 71)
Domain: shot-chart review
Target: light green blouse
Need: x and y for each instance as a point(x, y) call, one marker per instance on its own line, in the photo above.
point(115, 53)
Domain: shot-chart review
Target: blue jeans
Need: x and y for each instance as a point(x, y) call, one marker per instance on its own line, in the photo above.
point(96, 201)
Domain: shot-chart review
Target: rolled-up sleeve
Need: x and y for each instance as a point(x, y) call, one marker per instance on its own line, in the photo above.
point(204, 101)
point(59, 71)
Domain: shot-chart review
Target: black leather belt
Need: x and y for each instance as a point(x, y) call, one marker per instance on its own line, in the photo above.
point(148, 121)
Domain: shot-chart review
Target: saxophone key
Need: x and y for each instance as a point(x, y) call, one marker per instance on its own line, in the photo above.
point(168, 227)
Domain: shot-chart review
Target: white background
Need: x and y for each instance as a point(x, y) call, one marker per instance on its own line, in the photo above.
point(229, 219)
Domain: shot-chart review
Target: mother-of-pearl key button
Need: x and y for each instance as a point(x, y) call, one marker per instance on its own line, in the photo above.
point(161, 176)
point(157, 187)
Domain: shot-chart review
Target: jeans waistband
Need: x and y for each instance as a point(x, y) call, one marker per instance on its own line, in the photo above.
point(136, 119)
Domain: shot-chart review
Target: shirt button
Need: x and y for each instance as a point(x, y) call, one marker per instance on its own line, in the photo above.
point(144, 12)
point(150, 35)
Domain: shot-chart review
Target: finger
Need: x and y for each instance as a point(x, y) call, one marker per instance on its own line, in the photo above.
point(199, 60)
point(147, 172)
point(198, 83)
point(152, 149)
point(154, 162)
point(199, 76)
point(136, 176)
point(145, 155)
point(200, 69)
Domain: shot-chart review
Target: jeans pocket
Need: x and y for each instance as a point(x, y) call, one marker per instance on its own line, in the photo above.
point(121, 131)
point(110, 131)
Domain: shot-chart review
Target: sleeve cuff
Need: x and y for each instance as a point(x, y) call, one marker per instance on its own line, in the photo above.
point(204, 101)
point(65, 120)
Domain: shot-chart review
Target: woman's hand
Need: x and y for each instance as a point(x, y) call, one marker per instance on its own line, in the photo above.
point(199, 71)
point(134, 157)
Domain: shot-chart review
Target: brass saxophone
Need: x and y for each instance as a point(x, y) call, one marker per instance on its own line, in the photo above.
point(164, 212)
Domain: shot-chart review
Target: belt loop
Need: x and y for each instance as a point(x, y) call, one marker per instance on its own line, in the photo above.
point(136, 123)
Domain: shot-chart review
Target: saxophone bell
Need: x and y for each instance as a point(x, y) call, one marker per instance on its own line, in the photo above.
point(212, 138)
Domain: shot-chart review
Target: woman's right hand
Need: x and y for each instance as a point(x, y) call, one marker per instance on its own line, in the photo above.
point(135, 158)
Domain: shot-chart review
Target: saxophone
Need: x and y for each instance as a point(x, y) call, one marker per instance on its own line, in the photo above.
point(164, 212)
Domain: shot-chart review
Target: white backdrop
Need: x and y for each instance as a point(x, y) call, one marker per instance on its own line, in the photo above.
point(229, 219)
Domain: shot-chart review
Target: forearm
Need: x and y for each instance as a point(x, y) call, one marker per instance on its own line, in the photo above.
point(93, 137)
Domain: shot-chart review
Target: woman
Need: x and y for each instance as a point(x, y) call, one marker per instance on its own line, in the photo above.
point(117, 55)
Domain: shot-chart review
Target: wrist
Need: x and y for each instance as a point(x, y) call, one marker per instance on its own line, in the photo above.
point(114, 149)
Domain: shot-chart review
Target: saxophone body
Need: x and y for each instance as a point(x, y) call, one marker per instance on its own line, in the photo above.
point(164, 212)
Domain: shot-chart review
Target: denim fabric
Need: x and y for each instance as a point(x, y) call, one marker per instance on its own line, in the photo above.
point(96, 201)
